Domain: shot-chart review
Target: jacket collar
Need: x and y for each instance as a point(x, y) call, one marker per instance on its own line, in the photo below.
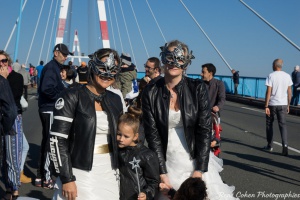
point(97, 98)
point(179, 86)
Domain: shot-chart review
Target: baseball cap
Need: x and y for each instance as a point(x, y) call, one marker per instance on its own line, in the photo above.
point(63, 49)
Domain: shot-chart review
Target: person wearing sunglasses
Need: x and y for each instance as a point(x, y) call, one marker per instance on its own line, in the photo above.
point(83, 145)
point(11, 131)
point(49, 89)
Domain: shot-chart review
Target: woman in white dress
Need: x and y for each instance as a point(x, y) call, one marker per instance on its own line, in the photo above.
point(83, 147)
point(177, 121)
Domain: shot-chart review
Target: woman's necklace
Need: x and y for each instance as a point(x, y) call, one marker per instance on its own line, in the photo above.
point(173, 97)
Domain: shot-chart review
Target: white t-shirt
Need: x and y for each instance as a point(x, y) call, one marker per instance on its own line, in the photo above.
point(279, 81)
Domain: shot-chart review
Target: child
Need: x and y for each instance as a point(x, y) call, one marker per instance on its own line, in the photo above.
point(215, 139)
point(191, 189)
point(135, 157)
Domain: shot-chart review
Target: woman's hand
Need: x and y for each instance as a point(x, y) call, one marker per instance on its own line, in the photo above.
point(69, 190)
point(165, 185)
point(4, 71)
point(197, 174)
point(142, 196)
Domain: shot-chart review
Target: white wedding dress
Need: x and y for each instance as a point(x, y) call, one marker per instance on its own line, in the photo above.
point(102, 182)
point(180, 167)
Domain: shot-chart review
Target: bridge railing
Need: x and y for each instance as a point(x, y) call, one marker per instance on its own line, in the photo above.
point(249, 86)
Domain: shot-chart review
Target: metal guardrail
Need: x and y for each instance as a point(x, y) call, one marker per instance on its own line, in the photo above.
point(251, 90)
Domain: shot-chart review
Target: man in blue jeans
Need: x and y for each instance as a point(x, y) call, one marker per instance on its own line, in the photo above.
point(278, 98)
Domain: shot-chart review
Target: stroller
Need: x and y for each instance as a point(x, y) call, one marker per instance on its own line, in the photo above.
point(216, 133)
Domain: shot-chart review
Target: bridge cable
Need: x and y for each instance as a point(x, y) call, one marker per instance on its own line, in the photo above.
point(206, 35)
point(68, 27)
point(45, 32)
point(282, 35)
point(127, 32)
point(156, 21)
point(14, 28)
point(35, 31)
point(112, 28)
point(117, 25)
point(137, 23)
point(52, 29)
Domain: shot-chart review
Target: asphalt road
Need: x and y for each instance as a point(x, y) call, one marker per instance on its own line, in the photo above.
point(256, 174)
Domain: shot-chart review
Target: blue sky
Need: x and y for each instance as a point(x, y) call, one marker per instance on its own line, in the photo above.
point(245, 41)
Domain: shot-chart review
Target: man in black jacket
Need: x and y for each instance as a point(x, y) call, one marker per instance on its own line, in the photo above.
point(49, 89)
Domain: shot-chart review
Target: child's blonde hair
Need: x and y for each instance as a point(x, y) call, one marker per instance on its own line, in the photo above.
point(132, 118)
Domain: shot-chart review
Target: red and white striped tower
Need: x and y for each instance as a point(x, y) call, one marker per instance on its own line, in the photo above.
point(76, 46)
point(103, 23)
point(62, 21)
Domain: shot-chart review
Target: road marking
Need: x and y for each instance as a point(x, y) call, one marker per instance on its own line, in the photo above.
point(290, 148)
point(253, 109)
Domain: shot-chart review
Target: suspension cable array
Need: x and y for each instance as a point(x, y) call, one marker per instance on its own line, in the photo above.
point(156, 21)
point(52, 29)
point(112, 28)
point(137, 23)
point(35, 31)
point(273, 27)
point(45, 32)
point(14, 28)
point(117, 25)
point(127, 32)
point(206, 35)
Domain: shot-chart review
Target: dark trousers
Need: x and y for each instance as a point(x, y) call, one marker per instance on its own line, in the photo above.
point(25, 92)
point(235, 88)
point(295, 98)
point(46, 123)
point(280, 112)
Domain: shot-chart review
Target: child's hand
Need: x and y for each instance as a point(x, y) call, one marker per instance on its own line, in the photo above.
point(142, 196)
point(213, 143)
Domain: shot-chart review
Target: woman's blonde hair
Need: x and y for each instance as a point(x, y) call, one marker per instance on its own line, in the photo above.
point(2, 52)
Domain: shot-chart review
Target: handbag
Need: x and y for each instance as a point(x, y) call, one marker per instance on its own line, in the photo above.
point(23, 103)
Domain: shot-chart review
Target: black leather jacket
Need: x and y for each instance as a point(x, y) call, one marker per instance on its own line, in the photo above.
point(73, 132)
point(196, 117)
point(8, 108)
point(148, 172)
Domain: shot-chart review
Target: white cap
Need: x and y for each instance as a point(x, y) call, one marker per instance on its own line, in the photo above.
point(297, 67)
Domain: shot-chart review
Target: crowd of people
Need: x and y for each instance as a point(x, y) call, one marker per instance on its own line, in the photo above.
point(93, 138)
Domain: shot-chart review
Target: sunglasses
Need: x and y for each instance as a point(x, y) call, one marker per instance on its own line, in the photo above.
point(4, 60)
point(147, 67)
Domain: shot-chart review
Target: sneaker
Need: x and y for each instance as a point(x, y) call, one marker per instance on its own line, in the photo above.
point(48, 184)
point(38, 182)
point(285, 151)
point(268, 148)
